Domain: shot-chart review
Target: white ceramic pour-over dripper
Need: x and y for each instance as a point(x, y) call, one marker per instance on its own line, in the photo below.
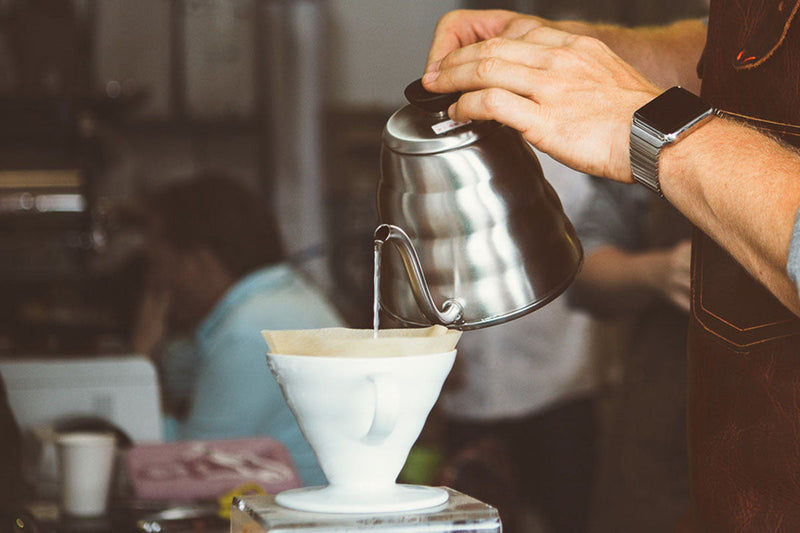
point(361, 416)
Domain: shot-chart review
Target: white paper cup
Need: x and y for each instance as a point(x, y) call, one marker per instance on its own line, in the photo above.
point(86, 465)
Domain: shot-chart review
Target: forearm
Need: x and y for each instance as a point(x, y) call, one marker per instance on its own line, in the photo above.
point(666, 55)
point(743, 190)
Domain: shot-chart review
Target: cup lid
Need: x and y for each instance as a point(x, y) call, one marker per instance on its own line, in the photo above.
point(86, 438)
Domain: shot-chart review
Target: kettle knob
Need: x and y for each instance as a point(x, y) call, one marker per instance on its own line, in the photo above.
point(429, 102)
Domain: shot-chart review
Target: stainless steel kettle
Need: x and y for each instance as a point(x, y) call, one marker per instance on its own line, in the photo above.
point(480, 236)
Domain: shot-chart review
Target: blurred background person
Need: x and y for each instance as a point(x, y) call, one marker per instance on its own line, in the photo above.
point(519, 412)
point(216, 277)
point(636, 268)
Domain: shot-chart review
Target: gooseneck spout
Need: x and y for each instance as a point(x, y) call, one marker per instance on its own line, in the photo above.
point(452, 309)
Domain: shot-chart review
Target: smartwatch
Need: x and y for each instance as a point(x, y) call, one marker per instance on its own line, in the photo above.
point(662, 121)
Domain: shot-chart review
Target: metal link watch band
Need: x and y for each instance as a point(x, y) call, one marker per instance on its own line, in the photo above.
point(645, 148)
point(662, 121)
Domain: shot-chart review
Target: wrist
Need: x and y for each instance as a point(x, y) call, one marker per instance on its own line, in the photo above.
point(669, 118)
point(678, 163)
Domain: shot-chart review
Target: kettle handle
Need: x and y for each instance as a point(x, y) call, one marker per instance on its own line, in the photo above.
point(433, 103)
point(452, 309)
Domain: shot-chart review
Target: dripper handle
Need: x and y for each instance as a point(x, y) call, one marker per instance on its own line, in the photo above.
point(452, 309)
point(387, 409)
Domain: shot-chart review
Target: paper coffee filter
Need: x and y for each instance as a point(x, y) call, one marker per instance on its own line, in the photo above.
point(346, 342)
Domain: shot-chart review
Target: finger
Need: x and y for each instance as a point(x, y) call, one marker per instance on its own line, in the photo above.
point(520, 26)
point(443, 45)
point(683, 256)
point(464, 27)
point(501, 105)
point(685, 246)
point(682, 301)
point(483, 74)
point(682, 282)
point(681, 269)
point(547, 36)
point(513, 51)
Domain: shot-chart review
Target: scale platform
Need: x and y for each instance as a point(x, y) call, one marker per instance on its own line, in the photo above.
point(461, 513)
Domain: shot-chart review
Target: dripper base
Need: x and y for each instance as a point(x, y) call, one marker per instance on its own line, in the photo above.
point(327, 499)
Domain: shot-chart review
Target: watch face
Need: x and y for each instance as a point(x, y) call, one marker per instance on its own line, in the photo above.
point(672, 110)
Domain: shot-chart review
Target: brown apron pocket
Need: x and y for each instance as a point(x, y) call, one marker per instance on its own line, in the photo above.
point(730, 304)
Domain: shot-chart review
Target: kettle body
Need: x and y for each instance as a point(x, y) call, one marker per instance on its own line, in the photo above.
point(483, 225)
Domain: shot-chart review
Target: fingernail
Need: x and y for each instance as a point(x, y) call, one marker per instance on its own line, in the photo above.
point(451, 110)
point(433, 67)
point(430, 77)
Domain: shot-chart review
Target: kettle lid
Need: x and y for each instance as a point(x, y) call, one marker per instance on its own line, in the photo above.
point(423, 127)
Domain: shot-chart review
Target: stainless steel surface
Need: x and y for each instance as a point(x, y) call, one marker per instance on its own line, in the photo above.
point(409, 131)
point(180, 518)
point(488, 229)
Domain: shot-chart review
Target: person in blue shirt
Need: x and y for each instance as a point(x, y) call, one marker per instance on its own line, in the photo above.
point(216, 278)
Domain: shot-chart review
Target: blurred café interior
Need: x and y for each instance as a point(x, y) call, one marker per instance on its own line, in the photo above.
point(105, 102)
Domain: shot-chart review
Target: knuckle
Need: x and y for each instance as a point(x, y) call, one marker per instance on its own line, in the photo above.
point(583, 42)
point(460, 108)
point(446, 20)
point(560, 56)
point(520, 25)
point(517, 25)
point(492, 47)
point(487, 67)
point(450, 16)
point(491, 99)
point(454, 18)
point(531, 34)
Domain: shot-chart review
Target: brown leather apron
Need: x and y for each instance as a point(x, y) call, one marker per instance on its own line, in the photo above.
point(744, 346)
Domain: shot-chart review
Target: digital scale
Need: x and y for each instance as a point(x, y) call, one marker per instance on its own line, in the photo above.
point(461, 513)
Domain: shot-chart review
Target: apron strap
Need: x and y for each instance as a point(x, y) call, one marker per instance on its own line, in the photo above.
point(769, 126)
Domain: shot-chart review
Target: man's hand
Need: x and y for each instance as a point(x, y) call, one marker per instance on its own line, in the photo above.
point(673, 277)
point(569, 95)
point(464, 27)
point(615, 281)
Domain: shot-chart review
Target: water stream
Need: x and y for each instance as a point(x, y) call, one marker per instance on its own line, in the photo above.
point(376, 283)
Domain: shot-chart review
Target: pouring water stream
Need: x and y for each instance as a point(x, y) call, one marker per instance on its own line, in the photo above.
point(376, 282)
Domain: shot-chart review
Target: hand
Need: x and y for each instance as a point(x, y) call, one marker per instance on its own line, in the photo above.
point(569, 95)
point(464, 27)
point(673, 278)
